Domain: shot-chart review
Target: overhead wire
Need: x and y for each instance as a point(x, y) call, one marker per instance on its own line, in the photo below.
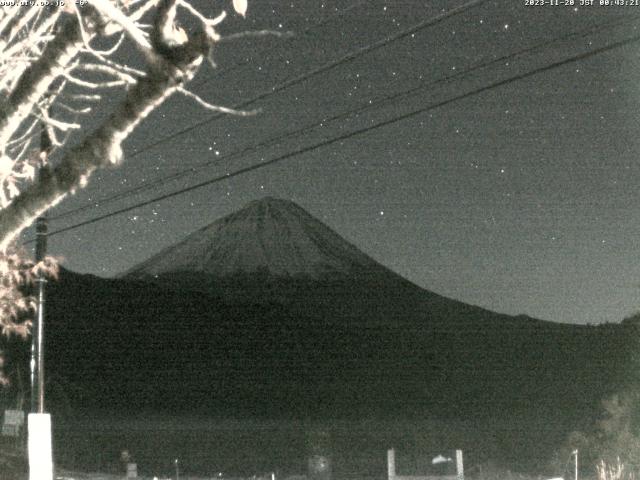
point(318, 70)
point(354, 133)
point(323, 68)
point(306, 31)
point(342, 115)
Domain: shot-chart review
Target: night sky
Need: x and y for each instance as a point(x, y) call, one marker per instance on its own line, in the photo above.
point(521, 198)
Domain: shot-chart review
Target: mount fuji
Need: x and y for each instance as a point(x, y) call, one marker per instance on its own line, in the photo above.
point(267, 312)
point(269, 236)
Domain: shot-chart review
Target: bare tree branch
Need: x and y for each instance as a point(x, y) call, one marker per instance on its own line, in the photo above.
point(217, 108)
point(35, 81)
point(49, 71)
point(173, 65)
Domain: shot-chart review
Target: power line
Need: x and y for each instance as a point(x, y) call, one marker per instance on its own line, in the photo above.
point(326, 67)
point(346, 136)
point(361, 108)
point(323, 68)
point(216, 74)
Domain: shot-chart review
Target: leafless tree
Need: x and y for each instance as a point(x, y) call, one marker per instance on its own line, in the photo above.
point(49, 58)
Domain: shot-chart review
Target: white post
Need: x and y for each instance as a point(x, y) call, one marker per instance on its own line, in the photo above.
point(40, 457)
point(132, 470)
point(575, 453)
point(459, 465)
point(391, 463)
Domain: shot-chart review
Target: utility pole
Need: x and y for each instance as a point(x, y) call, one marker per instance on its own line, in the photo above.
point(37, 336)
point(41, 251)
point(39, 423)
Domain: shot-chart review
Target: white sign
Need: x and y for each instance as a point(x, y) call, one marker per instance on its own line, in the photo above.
point(14, 417)
point(13, 420)
point(132, 470)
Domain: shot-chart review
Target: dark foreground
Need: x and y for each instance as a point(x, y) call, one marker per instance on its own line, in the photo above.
point(243, 449)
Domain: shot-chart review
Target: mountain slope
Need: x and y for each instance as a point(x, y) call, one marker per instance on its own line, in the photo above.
point(270, 236)
point(141, 346)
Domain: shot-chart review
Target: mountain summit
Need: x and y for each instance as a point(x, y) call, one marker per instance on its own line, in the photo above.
point(270, 235)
